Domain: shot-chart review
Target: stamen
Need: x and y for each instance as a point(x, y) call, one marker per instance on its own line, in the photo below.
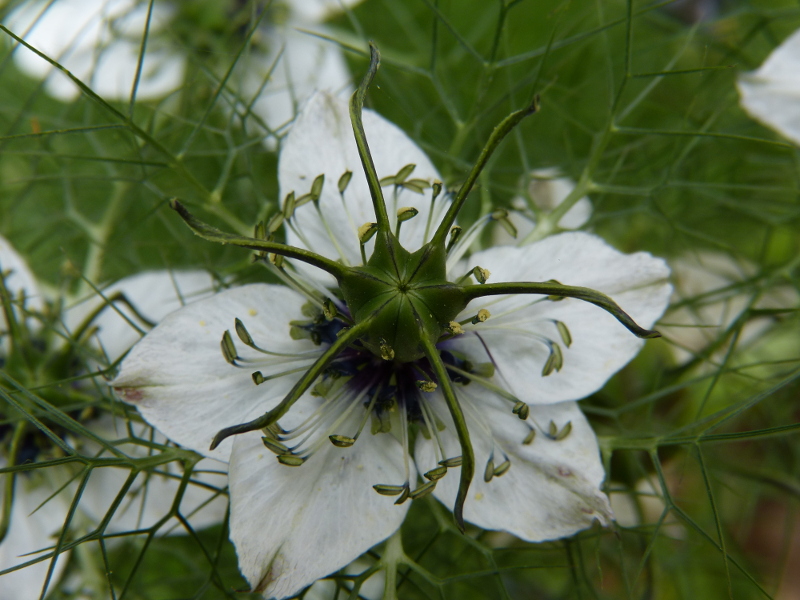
point(501, 216)
point(228, 348)
point(455, 234)
point(276, 221)
point(387, 353)
point(451, 462)
point(328, 434)
point(289, 205)
point(529, 438)
point(364, 419)
point(425, 385)
point(502, 468)
point(563, 331)
point(437, 189)
point(341, 441)
point(455, 328)
point(247, 339)
point(481, 275)
point(464, 241)
point(553, 432)
point(347, 337)
point(275, 446)
point(365, 234)
point(481, 317)
point(436, 473)
point(565, 431)
point(488, 472)
point(298, 286)
point(555, 361)
point(344, 181)
point(522, 410)
point(432, 425)
point(389, 490)
point(404, 214)
point(331, 236)
point(423, 490)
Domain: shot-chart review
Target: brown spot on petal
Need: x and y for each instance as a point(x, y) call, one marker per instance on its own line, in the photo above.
point(273, 571)
point(129, 394)
point(587, 510)
point(564, 472)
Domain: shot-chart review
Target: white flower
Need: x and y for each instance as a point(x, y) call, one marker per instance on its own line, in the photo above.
point(294, 63)
point(40, 503)
point(711, 292)
point(99, 41)
point(546, 190)
point(186, 387)
point(771, 94)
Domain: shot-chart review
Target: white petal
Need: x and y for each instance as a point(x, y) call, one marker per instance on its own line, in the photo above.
point(771, 94)
point(552, 489)
point(321, 142)
point(316, 11)
point(30, 531)
point(293, 525)
point(600, 345)
point(98, 41)
point(151, 495)
point(180, 382)
point(154, 294)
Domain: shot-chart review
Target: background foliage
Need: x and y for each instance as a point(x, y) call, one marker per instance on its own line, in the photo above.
point(639, 100)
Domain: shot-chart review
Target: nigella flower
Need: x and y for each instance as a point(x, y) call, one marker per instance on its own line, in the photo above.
point(31, 354)
point(380, 374)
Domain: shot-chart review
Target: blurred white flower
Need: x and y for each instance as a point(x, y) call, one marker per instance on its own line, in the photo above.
point(711, 292)
point(99, 41)
point(771, 94)
point(546, 190)
point(42, 497)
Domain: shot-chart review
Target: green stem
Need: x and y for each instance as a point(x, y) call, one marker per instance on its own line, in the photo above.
point(8, 496)
point(561, 291)
point(501, 131)
point(467, 454)
point(99, 237)
point(356, 107)
point(393, 556)
point(212, 234)
point(174, 162)
point(343, 341)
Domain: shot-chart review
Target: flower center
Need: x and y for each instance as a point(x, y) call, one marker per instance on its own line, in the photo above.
point(402, 297)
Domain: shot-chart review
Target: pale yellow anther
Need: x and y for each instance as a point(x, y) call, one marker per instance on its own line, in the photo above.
point(482, 316)
point(366, 231)
point(455, 328)
point(481, 274)
point(406, 213)
point(387, 353)
point(426, 386)
point(277, 260)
